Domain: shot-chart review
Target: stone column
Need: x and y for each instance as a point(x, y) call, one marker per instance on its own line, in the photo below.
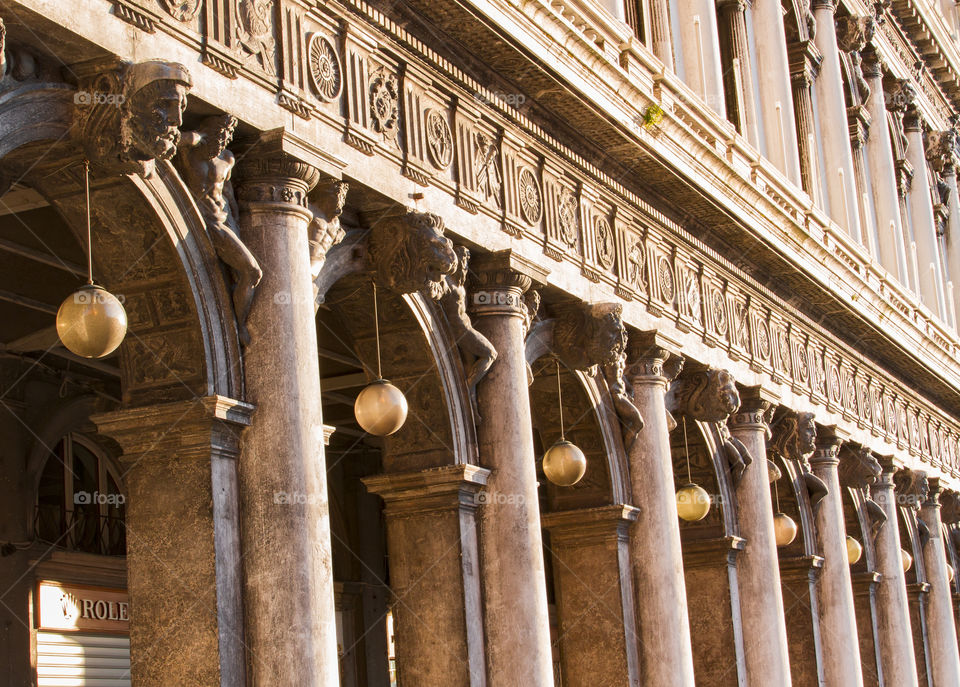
point(661, 42)
point(655, 553)
point(897, 661)
point(804, 67)
point(700, 45)
point(838, 622)
point(516, 617)
point(435, 573)
point(953, 234)
point(183, 548)
point(775, 101)
point(594, 589)
point(738, 76)
point(891, 251)
point(941, 631)
point(839, 182)
point(764, 627)
point(288, 579)
point(929, 274)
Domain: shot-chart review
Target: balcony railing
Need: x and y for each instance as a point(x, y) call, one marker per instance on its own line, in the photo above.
point(81, 529)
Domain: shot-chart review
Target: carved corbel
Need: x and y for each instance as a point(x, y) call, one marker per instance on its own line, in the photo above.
point(592, 339)
point(710, 395)
point(877, 516)
point(911, 487)
point(408, 253)
point(898, 99)
point(949, 507)
point(129, 116)
point(325, 230)
point(794, 437)
point(853, 34)
point(858, 467)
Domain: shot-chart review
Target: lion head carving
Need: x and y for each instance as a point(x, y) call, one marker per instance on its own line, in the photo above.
point(409, 253)
point(911, 487)
point(585, 337)
point(794, 436)
point(858, 468)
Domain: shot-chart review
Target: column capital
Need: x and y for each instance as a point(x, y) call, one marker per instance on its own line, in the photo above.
point(859, 469)
point(648, 354)
point(755, 403)
point(853, 33)
point(829, 441)
point(872, 63)
point(444, 488)
point(499, 280)
point(278, 170)
point(829, 5)
point(173, 431)
point(587, 526)
point(731, 6)
point(933, 493)
point(913, 120)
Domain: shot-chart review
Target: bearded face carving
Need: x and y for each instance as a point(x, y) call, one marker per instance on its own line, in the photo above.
point(794, 436)
point(708, 395)
point(409, 253)
point(911, 487)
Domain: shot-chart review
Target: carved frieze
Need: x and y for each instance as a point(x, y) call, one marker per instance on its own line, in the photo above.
point(439, 139)
point(487, 168)
point(255, 31)
point(606, 249)
point(568, 217)
point(384, 103)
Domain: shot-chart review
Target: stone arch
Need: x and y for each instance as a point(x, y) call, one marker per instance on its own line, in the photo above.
point(180, 300)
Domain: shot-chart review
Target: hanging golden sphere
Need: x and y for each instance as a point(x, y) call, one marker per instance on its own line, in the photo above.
point(906, 560)
point(950, 573)
point(784, 529)
point(854, 550)
point(773, 471)
point(381, 408)
point(564, 464)
point(693, 502)
point(91, 322)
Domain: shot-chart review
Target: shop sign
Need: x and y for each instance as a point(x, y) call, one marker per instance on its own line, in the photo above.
point(80, 608)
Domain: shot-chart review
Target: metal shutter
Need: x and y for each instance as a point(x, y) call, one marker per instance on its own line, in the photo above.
point(82, 660)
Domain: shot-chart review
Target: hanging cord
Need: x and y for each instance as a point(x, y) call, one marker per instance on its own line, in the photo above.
point(376, 328)
point(560, 399)
point(86, 183)
point(686, 450)
point(776, 493)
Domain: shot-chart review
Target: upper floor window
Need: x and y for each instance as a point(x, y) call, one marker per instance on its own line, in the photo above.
point(80, 500)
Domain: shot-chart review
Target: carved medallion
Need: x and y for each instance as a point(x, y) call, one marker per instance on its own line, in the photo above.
point(182, 10)
point(763, 340)
point(531, 202)
point(605, 245)
point(384, 108)
point(439, 139)
point(487, 167)
point(636, 259)
point(803, 367)
point(567, 210)
point(783, 347)
point(665, 279)
point(719, 312)
point(691, 294)
point(326, 74)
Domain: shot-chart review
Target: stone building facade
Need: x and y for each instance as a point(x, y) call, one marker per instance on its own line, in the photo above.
point(724, 234)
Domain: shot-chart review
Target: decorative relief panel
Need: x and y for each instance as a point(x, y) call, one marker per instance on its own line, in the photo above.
point(326, 72)
point(531, 199)
point(385, 103)
point(182, 10)
point(255, 31)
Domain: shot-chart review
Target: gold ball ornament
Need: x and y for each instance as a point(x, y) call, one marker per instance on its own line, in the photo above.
point(773, 471)
point(906, 560)
point(381, 408)
point(950, 573)
point(693, 502)
point(91, 322)
point(564, 464)
point(854, 550)
point(784, 529)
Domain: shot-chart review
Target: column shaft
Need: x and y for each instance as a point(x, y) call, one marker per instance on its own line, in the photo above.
point(764, 626)
point(891, 251)
point(657, 559)
point(516, 616)
point(660, 36)
point(804, 63)
point(775, 101)
point(941, 631)
point(594, 588)
point(894, 636)
point(838, 623)
point(183, 549)
point(738, 76)
point(839, 181)
point(700, 45)
point(929, 273)
point(289, 601)
point(953, 236)
point(434, 573)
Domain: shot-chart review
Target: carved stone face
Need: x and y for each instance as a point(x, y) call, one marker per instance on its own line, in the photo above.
point(411, 254)
point(152, 119)
point(728, 397)
point(219, 132)
point(806, 434)
point(611, 338)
